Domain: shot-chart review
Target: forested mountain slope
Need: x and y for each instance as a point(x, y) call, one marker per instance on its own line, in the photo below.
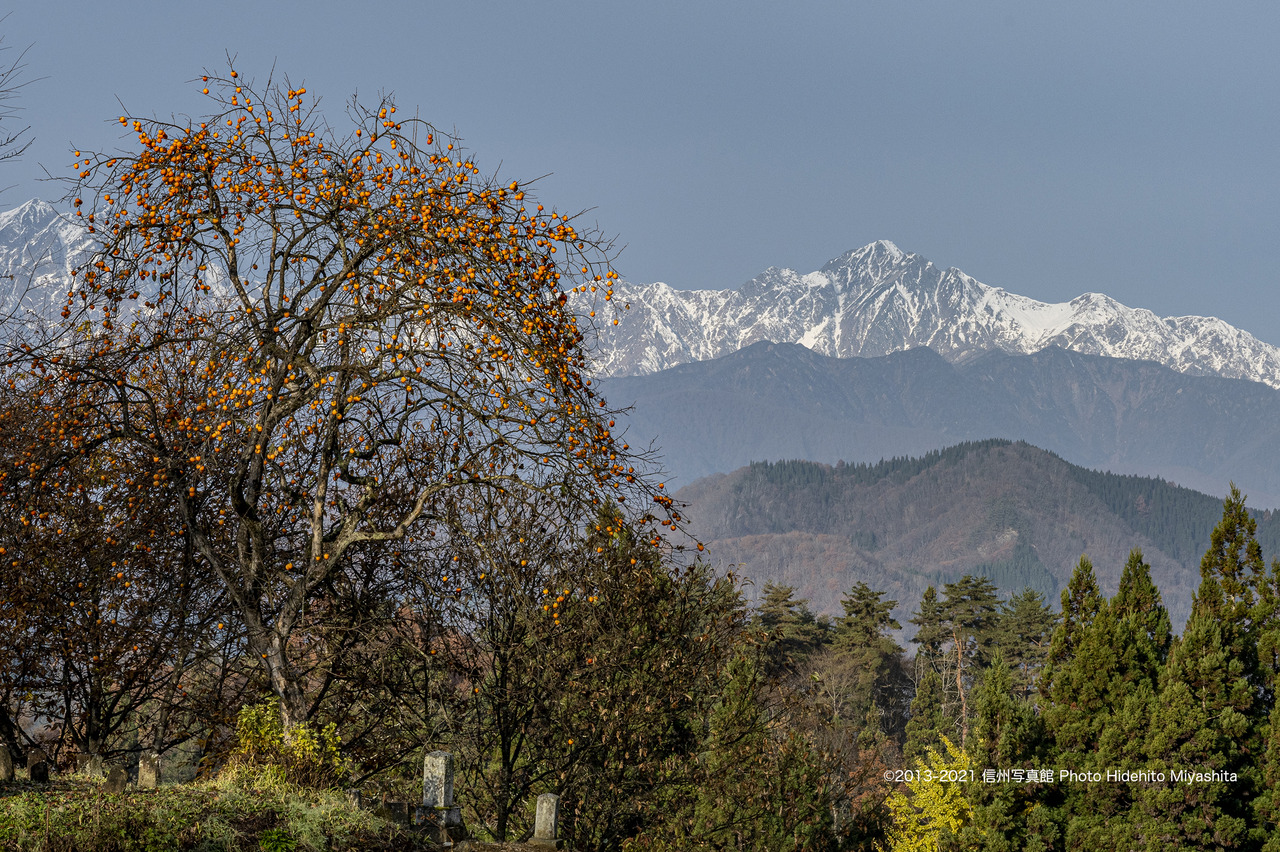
point(1017, 514)
point(777, 401)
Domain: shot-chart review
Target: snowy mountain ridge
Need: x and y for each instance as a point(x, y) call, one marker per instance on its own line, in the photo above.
point(879, 299)
point(867, 302)
point(39, 247)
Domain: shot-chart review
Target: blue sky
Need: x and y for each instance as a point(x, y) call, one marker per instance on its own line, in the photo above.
point(1050, 149)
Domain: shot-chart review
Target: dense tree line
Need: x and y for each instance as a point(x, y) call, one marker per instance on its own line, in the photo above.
point(1017, 727)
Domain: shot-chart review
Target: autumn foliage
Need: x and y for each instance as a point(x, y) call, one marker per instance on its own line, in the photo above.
point(317, 436)
point(319, 338)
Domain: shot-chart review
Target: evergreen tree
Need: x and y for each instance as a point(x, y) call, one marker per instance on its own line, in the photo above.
point(970, 610)
point(1212, 713)
point(793, 634)
point(1234, 560)
point(1081, 600)
point(1139, 598)
point(1023, 633)
point(866, 619)
point(932, 633)
point(864, 665)
point(782, 803)
point(928, 723)
point(1099, 710)
point(1267, 805)
point(1098, 659)
point(1204, 721)
point(1007, 735)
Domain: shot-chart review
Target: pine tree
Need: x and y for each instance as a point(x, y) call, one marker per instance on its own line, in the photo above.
point(864, 664)
point(793, 632)
point(1022, 636)
point(970, 611)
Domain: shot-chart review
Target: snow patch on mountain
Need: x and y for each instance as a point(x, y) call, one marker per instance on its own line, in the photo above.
point(39, 248)
point(867, 302)
point(880, 299)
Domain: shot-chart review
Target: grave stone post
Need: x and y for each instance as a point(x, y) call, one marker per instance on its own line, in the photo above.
point(6, 764)
point(441, 818)
point(149, 771)
point(117, 780)
point(546, 822)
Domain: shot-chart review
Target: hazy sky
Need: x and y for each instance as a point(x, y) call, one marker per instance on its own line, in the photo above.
point(1048, 148)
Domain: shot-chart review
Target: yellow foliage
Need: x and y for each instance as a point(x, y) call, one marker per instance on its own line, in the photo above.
point(933, 803)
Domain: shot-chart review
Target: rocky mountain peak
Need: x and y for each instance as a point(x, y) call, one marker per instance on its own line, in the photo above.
point(880, 299)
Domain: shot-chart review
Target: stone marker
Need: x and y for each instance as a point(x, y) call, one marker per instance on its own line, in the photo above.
point(38, 772)
point(117, 778)
point(546, 822)
point(149, 771)
point(437, 780)
point(438, 814)
point(6, 764)
point(94, 767)
point(355, 796)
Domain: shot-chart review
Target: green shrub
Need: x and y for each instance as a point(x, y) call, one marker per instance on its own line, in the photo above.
point(305, 755)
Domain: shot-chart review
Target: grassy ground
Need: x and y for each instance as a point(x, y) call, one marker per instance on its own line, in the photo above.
point(241, 811)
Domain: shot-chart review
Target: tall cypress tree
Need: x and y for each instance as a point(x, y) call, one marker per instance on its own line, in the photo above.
point(1023, 633)
point(1139, 598)
point(1212, 713)
point(1007, 735)
point(1099, 697)
point(1081, 601)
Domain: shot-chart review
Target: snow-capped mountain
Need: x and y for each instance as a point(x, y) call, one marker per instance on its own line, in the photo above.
point(868, 302)
point(39, 247)
point(879, 299)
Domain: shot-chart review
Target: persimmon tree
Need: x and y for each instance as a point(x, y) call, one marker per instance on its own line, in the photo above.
point(106, 616)
point(320, 334)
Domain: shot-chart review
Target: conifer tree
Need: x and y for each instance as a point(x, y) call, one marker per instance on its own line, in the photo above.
point(1212, 713)
point(1098, 706)
point(970, 612)
point(928, 723)
point(864, 664)
point(1023, 633)
point(931, 633)
point(1007, 735)
point(793, 631)
point(1081, 600)
point(1139, 598)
